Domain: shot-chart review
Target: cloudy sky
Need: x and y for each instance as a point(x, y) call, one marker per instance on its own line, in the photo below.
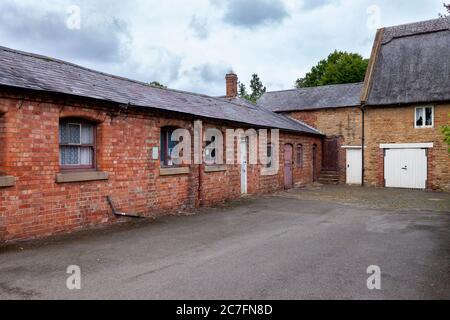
point(191, 44)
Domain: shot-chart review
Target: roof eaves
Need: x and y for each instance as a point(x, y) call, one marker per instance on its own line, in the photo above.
point(368, 80)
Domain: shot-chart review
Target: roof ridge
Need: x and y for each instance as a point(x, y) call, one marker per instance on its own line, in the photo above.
point(416, 28)
point(324, 86)
point(416, 23)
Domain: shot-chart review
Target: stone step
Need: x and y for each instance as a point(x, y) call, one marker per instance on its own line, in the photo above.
point(332, 182)
point(330, 172)
point(329, 177)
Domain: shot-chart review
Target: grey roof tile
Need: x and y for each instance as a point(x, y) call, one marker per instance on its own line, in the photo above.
point(29, 71)
point(332, 96)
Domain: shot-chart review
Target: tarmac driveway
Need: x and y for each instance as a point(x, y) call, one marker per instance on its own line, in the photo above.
point(276, 247)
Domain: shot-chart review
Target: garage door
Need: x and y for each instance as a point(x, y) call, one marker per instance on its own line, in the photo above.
point(406, 168)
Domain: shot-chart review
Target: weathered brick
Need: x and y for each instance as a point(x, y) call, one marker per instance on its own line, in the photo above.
point(37, 206)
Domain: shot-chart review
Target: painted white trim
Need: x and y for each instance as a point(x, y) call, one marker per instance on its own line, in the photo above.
point(353, 147)
point(424, 120)
point(407, 145)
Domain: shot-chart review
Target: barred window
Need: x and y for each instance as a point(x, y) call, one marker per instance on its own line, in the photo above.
point(76, 144)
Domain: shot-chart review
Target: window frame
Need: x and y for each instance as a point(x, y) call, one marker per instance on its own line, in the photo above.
point(209, 157)
point(166, 133)
point(269, 156)
point(300, 159)
point(93, 146)
point(424, 126)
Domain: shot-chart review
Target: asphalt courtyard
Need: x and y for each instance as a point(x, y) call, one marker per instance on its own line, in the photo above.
point(314, 243)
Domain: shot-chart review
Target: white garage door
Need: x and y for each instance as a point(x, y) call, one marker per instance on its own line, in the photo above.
point(406, 168)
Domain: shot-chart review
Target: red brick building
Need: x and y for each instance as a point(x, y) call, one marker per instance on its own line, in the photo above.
point(406, 102)
point(70, 137)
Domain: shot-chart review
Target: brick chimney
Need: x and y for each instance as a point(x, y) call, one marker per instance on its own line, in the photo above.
point(232, 85)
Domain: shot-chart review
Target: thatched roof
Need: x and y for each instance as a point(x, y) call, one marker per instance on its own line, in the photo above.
point(411, 64)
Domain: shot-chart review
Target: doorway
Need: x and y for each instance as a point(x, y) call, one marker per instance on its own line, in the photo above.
point(288, 162)
point(244, 169)
point(354, 166)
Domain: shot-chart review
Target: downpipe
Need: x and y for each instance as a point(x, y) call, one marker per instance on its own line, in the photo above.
point(363, 143)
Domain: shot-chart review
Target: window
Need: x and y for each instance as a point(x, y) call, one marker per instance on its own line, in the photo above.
point(167, 146)
point(299, 155)
point(424, 117)
point(210, 151)
point(269, 156)
point(76, 144)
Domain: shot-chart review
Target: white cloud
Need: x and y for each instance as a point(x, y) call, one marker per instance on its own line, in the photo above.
point(187, 44)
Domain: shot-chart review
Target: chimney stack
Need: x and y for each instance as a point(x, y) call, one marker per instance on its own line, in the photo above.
point(232, 85)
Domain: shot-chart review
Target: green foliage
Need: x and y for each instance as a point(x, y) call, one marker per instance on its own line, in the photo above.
point(340, 67)
point(156, 84)
point(447, 7)
point(446, 132)
point(257, 89)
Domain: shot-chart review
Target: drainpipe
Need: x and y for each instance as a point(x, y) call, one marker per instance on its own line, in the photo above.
point(363, 143)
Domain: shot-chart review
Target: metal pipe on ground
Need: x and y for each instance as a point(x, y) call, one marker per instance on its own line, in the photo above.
point(118, 213)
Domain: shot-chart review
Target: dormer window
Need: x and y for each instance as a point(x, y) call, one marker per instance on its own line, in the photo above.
point(424, 117)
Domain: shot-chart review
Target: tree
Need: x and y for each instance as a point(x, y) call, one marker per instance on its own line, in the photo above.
point(257, 89)
point(156, 84)
point(339, 67)
point(447, 7)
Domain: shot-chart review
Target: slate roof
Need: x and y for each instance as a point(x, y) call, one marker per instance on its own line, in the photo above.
point(332, 96)
point(246, 103)
point(30, 71)
point(413, 64)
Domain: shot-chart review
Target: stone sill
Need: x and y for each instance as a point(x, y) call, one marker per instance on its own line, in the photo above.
point(7, 181)
point(81, 176)
point(216, 168)
point(173, 171)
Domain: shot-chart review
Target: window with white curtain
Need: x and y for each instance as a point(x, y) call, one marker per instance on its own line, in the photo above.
point(76, 144)
point(424, 117)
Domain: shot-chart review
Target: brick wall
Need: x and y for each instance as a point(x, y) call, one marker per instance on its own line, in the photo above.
point(37, 206)
point(342, 123)
point(396, 125)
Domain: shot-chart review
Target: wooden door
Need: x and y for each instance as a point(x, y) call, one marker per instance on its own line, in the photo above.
point(288, 156)
point(330, 154)
point(406, 168)
point(244, 167)
point(314, 163)
point(354, 166)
